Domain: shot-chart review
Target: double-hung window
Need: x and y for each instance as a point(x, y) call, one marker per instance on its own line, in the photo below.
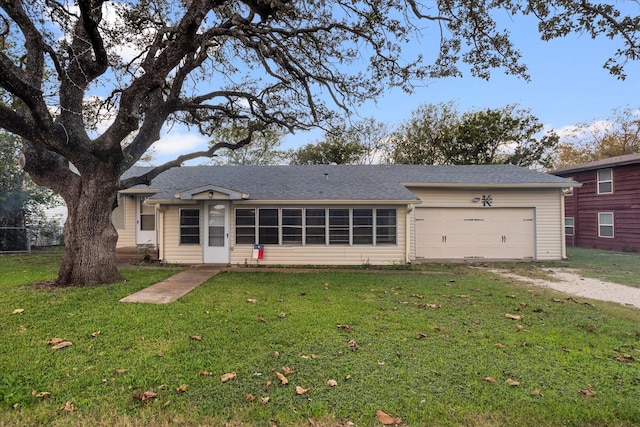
point(268, 225)
point(189, 226)
point(338, 226)
point(605, 224)
point(605, 181)
point(315, 226)
point(362, 226)
point(386, 226)
point(568, 226)
point(291, 226)
point(245, 226)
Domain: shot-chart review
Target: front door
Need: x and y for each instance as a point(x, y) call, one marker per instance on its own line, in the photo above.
point(216, 247)
point(145, 222)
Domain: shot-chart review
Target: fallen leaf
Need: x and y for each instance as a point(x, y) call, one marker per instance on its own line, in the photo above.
point(282, 314)
point(68, 407)
point(267, 385)
point(61, 345)
point(512, 383)
point(18, 311)
point(300, 390)
point(144, 397)
point(262, 319)
point(347, 327)
point(536, 392)
point(498, 345)
point(204, 373)
point(54, 341)
point(489, 379)
point(288, 370)
point(387, 419)
point(43, 395)
point(626, 358)
point(519, 328)
point(196, 337)
point(182, 388)
point(353, 345)
point(283, 380)
point(588, 393)
point(95, 334)
point(277, 354)
point(264, 400)
point(228, 377)
point(250, 398)
point(421, 335)
point(121, 371)
point(513, 316)
point(251, 300)
point(332, 383)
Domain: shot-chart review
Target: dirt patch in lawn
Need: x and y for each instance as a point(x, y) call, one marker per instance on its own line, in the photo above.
point(570, 282)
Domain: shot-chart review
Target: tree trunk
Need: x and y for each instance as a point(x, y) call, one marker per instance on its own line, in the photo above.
point(90, 237)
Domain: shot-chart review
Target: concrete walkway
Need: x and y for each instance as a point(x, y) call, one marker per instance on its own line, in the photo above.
point(173, 287)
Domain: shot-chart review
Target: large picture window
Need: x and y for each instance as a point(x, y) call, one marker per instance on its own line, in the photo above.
point(316, 226)
point(189, 226)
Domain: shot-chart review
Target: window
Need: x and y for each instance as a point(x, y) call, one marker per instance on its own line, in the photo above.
point(245, 226)
point(292, 226)
point(338, 226)
point(189, 226)
point(315, 227)
point(568, 226)
point(605, 224)
point(147, 216)
point(386, 226)
point(268, 223)
point(605, 181)
point(363, 226)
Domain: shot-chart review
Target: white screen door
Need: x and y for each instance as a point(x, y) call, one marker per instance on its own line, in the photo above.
point(145, 222)
point(216, 247)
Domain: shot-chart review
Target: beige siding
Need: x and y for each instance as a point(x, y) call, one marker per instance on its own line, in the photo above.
point(127, 235)
point(547, 204)
point(172, 250)
point(324, 254)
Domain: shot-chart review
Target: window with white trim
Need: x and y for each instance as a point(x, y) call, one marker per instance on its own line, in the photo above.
point(569, 226)
point(605, 224)
point(189, 226)
point(605, 181)
point(316, 226)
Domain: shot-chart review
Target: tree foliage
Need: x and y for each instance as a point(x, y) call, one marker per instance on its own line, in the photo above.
point(263, 149)
point(617, 135)
point(362, 142)
point(438, 134)
point(97, 73)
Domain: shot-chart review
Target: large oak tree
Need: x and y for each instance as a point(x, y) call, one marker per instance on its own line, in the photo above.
point(66, 67)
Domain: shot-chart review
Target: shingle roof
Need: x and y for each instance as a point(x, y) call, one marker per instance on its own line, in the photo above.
point(339, 182)
point(627, 159)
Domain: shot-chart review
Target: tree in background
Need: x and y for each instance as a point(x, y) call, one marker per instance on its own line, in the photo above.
point(362, 142)
point(96, 73)
point(263, 149)
point(421, 140)
point(504, 136)
point(21, 201)
point(617, 135)
point(436, 134)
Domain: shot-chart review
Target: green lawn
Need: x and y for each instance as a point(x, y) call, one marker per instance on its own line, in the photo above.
point(414, 344)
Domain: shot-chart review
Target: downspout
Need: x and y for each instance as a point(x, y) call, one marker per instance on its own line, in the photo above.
point(563, 239)
point(407, 233)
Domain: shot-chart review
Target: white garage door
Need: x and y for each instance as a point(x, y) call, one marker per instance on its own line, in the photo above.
point(492, 233)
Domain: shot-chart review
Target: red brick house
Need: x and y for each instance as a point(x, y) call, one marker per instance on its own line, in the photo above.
point(604, 212)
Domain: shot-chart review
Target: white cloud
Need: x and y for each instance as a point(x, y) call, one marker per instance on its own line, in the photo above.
point(175, 144)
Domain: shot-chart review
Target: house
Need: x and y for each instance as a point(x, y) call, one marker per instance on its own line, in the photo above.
point(604, 212)
point(349, 215)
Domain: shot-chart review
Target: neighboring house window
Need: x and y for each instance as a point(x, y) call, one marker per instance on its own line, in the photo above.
point(568, 226)
point(338, 226)
point(189, 226)
point(292, 226)
point(386, 226)
point(268, 222)
point(363, 226)
point(605, 224)
point(605, 181)
point(246, 226)
point(315, 227)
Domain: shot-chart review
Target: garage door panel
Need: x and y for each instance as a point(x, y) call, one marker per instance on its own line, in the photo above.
point(455, 233)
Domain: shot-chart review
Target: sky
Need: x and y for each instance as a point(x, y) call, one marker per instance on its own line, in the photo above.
point(568, 86)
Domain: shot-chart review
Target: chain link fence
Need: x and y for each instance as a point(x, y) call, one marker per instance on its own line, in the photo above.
point(24, 239)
